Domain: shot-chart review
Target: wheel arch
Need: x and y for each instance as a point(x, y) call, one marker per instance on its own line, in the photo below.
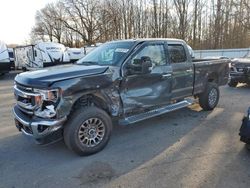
point(91, 99)
point(107, 100)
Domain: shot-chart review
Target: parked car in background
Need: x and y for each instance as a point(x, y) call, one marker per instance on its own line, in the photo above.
point(245, 129)
point(43, 54)
point(240, 71)
point(5, 64)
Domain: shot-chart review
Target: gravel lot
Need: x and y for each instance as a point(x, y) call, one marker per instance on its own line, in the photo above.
point(185, 148)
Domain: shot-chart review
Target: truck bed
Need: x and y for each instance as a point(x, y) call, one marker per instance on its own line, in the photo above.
point(209, 70)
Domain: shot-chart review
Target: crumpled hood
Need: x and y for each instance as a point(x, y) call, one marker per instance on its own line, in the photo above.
point(46, 77)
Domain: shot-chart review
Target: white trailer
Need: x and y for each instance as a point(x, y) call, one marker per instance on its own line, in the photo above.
point(75, 54)
point(43, 54)
point(5, 63)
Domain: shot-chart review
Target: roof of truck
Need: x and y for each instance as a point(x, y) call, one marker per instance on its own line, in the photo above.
point(151, 39)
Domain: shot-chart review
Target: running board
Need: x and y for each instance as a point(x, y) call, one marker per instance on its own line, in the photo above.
point(156, 112)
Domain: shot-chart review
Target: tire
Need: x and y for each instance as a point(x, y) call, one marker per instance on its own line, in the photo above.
point(80, 131)
point(232, 83)
point(210, 97)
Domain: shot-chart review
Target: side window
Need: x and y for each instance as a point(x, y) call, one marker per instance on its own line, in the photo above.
point(177, 53)
point(154, 51)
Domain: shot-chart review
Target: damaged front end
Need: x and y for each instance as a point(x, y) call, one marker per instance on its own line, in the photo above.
point(35, 113)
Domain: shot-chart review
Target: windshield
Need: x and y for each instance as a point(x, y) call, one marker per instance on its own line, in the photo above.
point(107, 54)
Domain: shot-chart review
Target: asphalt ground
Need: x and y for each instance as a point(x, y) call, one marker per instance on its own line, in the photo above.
point(185, 148)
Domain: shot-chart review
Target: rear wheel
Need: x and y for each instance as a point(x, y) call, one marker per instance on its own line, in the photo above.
point(210, 97)
point(88, 130)
point(232, 83)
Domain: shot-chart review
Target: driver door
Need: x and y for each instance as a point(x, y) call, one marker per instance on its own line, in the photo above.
point(152, 88)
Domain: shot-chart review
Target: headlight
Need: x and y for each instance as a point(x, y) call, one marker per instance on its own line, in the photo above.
point(48, 95)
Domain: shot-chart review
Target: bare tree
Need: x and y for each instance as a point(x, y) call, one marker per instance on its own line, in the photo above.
point(181, 7)
point(81, 17)
point(203, 24)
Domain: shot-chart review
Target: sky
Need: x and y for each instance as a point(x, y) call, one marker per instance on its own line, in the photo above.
point(17, 17)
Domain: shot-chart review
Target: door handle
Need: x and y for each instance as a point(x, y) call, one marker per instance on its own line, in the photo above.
point(189, 70)
point(168, 75)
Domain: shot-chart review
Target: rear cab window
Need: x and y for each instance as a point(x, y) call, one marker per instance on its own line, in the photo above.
point(177, 53)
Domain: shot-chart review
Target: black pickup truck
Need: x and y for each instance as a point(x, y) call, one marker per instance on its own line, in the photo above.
point(240, 71)
point(120, 81)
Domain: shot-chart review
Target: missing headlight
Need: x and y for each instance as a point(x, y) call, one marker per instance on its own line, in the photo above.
point(47, 102)
point(49, 95)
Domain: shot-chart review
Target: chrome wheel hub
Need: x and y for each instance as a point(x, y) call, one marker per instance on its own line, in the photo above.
point(91, 132)
point(212, 97)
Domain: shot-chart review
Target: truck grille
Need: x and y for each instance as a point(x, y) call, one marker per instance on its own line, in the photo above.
point(240, 69)
point(27, 100)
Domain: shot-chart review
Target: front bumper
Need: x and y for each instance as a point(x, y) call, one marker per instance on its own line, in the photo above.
point(240, 77)
point(44, 131)
point(240, 74)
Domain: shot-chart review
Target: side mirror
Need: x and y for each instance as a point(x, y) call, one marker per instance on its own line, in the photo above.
point(146, 63)
point(140, 66)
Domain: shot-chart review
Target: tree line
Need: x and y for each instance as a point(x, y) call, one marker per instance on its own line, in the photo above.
point(203, 24)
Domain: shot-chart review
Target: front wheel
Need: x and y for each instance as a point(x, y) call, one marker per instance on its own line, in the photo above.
point(88, 130)
point(210, 97)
